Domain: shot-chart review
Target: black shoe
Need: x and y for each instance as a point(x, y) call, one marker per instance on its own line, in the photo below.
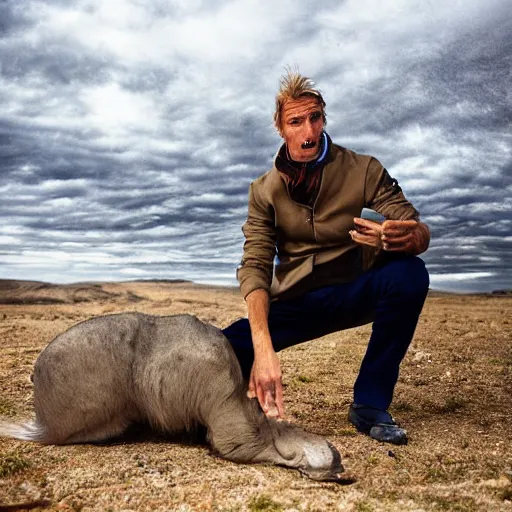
point(376, 423)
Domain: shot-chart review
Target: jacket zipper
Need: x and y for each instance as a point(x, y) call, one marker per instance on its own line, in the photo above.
point(311, 220)
point(311, 216)
point(313, 207)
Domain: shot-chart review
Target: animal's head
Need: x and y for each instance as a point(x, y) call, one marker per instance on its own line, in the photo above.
point(311, 454)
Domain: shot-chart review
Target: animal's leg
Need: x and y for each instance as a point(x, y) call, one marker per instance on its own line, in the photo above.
point(238, 431)
point(102, 432)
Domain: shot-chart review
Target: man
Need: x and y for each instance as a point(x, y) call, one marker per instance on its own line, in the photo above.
point(302, 215)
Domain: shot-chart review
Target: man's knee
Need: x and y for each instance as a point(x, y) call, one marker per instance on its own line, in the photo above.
point(408, 277)
point(239, 336)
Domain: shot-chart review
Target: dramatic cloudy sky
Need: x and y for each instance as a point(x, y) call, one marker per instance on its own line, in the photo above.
point(131, 129)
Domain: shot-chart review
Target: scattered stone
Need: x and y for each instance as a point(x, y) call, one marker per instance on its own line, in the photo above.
point(421, 356)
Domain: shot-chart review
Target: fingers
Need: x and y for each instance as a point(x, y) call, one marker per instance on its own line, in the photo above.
point(270, 408)
point(400, 243)
point(279, 399)
point(260, 395)
point(367, 224)
point(270, 403)
point(399, 235)
point(401, 239)
point(367, 232)
point(360, 238)
point(399, 224)
point(392, 228)
point(408, 236)
point(251, 391)
point(270, 396)
point(406, 247)
point(266, 384)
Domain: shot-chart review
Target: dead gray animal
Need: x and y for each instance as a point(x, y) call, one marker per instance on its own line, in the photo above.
point(173, 372)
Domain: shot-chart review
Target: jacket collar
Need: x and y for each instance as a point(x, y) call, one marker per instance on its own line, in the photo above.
point(303, 178)
point(291, 168)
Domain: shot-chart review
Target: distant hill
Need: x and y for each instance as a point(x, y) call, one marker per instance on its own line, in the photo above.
point(502, 292)
point(505, 293)
point(172, 281)
point(14, 291)
point(36, 292)
point(17, 291)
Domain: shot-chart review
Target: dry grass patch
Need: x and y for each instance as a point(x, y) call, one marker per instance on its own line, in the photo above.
point(453, 397)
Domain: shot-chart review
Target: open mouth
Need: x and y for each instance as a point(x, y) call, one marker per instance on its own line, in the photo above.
point(309, 144)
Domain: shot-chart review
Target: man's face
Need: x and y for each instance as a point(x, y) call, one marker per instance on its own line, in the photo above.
point(302, 126)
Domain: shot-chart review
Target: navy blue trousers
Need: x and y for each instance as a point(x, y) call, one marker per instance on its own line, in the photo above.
point(391, 296)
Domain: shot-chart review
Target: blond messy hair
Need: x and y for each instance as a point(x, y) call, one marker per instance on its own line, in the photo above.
point(293, 86)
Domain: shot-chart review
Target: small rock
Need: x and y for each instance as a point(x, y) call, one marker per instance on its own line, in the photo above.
point(421, 356)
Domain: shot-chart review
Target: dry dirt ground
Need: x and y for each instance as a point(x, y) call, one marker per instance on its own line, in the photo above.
point(454, 397)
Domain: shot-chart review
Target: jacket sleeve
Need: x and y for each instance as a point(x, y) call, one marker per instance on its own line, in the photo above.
point(256, 268)
point(383, 194)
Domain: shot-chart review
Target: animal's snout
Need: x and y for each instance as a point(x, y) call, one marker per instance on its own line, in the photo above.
point(323, 462)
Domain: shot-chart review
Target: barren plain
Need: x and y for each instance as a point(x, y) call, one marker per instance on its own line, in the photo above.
point(454, 397)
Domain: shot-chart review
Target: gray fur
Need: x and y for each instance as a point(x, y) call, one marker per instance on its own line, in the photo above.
point(174, 372)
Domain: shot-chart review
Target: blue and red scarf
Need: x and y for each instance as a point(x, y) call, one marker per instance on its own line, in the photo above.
point(303, 178)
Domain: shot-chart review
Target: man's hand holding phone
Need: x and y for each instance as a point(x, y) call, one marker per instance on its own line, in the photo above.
point(372, 228)
point(368, 228)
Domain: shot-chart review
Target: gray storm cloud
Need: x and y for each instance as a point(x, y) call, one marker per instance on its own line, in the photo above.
point(129, 133)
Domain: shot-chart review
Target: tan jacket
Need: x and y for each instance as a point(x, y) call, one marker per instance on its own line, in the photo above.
point(314, 247)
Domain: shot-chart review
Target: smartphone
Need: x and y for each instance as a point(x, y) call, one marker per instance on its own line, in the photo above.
point(369, 214)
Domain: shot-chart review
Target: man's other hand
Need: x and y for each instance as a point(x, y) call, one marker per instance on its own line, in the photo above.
point(367, 232)
point(407, 236)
